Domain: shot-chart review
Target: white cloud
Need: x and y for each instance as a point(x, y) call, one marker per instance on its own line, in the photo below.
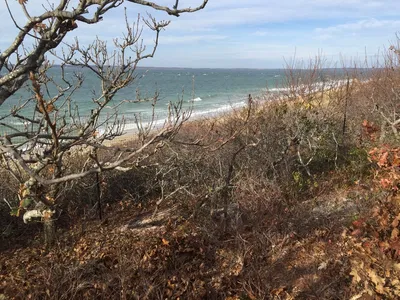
point(244, 33)
point(369, 24)
point(224, 13)
point(168, 39)
point(359, 30)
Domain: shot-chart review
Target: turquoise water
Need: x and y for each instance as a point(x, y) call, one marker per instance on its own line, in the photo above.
point(206, 90)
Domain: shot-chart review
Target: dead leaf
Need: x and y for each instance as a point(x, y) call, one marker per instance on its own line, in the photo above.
point(395, 222)
point(395, 234)
point(39, 27)
point(359, 223)
point(49, 107)
point(395, 245)
point(378, 281)
point(278, 291)
point(386, 183)
point(356, 276)
point(356, 232)
point(396, 267)
point(383, 159)
point(322, 266)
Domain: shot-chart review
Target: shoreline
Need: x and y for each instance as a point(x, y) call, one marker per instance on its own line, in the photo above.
point(265, 97)
point(131, 133)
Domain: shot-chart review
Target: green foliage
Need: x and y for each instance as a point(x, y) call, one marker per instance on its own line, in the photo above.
point(14, 211)
point(26, 202)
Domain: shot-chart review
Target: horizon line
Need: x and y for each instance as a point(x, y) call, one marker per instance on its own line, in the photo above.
point(238, 68)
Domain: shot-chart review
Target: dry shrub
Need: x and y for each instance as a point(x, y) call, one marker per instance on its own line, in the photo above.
point(374, 237)
point(242, 185)
point(13, 232)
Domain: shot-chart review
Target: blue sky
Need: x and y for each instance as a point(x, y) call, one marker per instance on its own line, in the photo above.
point(249, 33)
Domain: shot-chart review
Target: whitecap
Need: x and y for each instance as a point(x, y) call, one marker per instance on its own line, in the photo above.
point(197, 99)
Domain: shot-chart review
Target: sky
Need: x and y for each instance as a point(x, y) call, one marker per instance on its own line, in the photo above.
point(246, 33)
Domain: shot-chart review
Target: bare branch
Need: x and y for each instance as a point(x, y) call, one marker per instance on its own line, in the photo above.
point(61, 21)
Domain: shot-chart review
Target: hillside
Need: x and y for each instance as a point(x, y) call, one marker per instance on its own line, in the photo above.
point(295, 198)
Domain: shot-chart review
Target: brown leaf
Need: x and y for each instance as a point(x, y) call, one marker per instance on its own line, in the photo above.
point(395, 245)
point(383, 159)
point(39, 27)
point(356, 232)
point(386, 183)
point(377, 280)
point(384, 220)
point(395, 234)
point(22, 1)
point(396, 266)
point(395, 222)
point(358, 223)
point(356, 277)
point(49, 107)
point(396, 160)
point(278, 291)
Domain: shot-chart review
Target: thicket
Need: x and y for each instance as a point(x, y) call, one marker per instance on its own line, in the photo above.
point(247, 197)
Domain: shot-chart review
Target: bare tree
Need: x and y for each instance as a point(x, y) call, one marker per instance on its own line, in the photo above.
point(37, 156)
point(50, 28)
point(386, 92)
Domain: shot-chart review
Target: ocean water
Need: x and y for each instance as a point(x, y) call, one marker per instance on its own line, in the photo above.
point(206, 91)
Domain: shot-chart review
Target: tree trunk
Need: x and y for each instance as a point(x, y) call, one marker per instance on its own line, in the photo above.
point(49, 230)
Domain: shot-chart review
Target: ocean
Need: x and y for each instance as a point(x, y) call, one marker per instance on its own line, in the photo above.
point(207, 91)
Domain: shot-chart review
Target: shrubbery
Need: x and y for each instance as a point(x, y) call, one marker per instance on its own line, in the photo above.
point(257, 204)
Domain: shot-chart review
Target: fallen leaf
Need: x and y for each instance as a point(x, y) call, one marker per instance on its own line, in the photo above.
point(383, 159)
point(395, 234)
point(356, 232)
point(396, 267)
point(322, 266)
point(356, 276)
point(395, 222)
point(378, 281)
point(278, 291)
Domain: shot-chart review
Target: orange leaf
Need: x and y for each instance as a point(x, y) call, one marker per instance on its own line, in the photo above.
point(50, 199)
point(356, 232)
point(165, 242)
point(22, 1)
point(358, 223)
point(50, 107)
point(383, 160)
point(385, 183)
point(395, 245)
point(395, 222)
